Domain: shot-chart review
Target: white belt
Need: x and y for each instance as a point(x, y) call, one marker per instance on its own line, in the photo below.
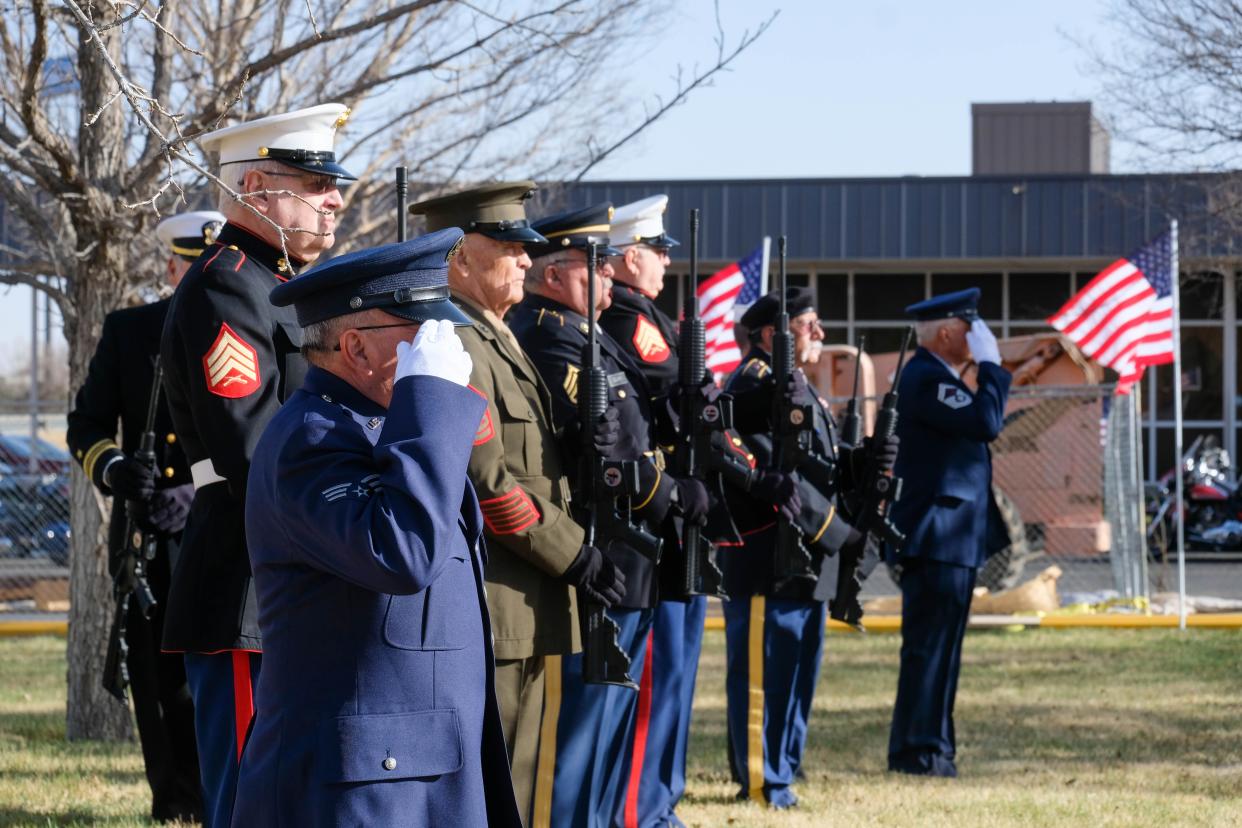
point(204, 474)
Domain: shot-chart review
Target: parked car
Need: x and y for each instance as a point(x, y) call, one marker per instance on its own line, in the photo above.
point(15, 451)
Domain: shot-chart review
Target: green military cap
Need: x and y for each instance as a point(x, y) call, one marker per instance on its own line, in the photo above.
point(495, 210)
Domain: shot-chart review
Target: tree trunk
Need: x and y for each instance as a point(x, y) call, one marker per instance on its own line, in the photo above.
point(102, 226)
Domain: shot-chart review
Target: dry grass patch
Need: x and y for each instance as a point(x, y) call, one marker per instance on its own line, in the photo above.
point(1090, 727)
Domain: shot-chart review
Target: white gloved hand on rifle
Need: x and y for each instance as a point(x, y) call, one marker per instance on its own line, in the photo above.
point(436, 352)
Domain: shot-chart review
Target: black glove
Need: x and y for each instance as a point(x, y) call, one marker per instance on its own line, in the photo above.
point(798, 389)
point(853, 541)
point(129, 479)
point(607, 434)
point(693, 498)
point(168, 509)
point(780, 490)
point(595, 577)
point(886, 454)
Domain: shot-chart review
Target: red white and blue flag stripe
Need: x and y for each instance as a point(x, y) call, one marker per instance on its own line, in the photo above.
point(1123, 318)
point(740, 284)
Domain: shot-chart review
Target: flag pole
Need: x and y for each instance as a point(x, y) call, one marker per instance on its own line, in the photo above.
point(767, 249)
point(1177, 434)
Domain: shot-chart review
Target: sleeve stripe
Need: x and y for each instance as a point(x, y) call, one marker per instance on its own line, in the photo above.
point(832, 512)
point(654, 488)
point(94, 453)
point(509, 513)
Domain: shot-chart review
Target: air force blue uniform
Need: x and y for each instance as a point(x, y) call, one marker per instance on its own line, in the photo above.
point(376, 705)
point(951, 524)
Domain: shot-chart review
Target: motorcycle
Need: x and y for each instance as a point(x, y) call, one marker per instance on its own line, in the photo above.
point(1212, 508)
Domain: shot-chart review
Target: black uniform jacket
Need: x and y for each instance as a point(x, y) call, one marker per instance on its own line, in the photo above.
point(748, 570)
point(230, 359)
point(118, 386)
point(646, 333)
point(553, 336)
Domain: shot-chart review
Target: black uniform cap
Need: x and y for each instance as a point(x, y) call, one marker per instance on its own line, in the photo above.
point(575, 228)
point(798, 300)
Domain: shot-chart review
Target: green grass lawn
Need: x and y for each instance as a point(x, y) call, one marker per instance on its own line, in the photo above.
point(1092, 727)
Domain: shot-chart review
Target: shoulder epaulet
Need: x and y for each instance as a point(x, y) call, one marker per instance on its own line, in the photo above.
point(756, 367)
point(551, 316)
point(229, 256)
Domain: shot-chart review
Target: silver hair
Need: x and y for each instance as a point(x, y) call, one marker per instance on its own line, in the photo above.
point(320, 338)
point(534, 274)
point(234, 175)
point(925, 330)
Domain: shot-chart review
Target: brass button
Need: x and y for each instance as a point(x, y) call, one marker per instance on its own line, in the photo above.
point(621, 393)
point(171, 438)
point(170, 471)
point(737, 441)
point(390, 764)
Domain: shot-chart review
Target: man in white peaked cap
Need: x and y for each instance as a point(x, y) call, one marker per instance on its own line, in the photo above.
point(230, 359)
point(184, 237)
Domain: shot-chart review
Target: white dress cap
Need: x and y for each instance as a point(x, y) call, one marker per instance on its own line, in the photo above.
point(641, 221)
point(188, 234)
point(305, 139)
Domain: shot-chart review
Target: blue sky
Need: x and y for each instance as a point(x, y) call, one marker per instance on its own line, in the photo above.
point(832, 89)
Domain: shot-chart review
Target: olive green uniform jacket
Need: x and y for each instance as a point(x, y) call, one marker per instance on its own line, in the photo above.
point(519, 474)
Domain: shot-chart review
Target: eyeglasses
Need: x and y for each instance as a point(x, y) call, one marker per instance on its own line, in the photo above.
point(380, 327)
point(313, 184)
point(804, 325)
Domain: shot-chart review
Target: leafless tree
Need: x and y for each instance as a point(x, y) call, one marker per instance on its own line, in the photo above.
point(102, 100)
point(1171, 88)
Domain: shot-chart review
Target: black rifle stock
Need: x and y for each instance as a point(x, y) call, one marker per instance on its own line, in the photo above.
point(878, 491)
point(791, 443)
point(603, 482)
point(402, 190)
point(851, 423)
point(130, 581)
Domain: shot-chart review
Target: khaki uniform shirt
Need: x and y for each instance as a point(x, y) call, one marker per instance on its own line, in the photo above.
point(518, 472)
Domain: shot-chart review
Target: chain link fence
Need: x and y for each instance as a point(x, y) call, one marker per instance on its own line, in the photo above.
point(34, 513)
point(1068, 479)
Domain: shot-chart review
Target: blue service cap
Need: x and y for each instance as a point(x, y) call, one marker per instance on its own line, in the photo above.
point(962, 304)
point(575, 228)
point(407, 279)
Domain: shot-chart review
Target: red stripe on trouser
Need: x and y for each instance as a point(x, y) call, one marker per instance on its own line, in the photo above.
point(243, 698)
point(640, 736)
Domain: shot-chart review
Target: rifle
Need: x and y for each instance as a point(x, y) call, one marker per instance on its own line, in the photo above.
point(851, 424)
point(878, 492)
point(130, 581)
point(791, 443)
point(402, 189)
point(701, 426)
point(603, 482)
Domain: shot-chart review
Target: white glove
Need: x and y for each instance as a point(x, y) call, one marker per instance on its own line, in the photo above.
point(436, 352)
point(982, 343)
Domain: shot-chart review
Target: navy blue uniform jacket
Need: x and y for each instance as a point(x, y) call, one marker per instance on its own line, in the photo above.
point(946, 508)
point(376, 704)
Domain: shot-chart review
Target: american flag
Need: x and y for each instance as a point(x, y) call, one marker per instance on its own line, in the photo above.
point(1123, 318)
point(739, 284)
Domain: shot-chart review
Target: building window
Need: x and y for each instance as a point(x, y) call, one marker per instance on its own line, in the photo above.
point(885, 295)
point(992, 298)
point(832, 295)
point(1037, 295)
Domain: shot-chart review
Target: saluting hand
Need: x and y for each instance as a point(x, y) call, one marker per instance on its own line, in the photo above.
point(436, 352)
point(982, 343)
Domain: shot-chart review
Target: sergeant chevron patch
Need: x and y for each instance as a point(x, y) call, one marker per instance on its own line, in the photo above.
point(571, 381)
point(486, 430)
point(510, 513)
point(231, 365)
point(952, 396)
point(648, 341)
